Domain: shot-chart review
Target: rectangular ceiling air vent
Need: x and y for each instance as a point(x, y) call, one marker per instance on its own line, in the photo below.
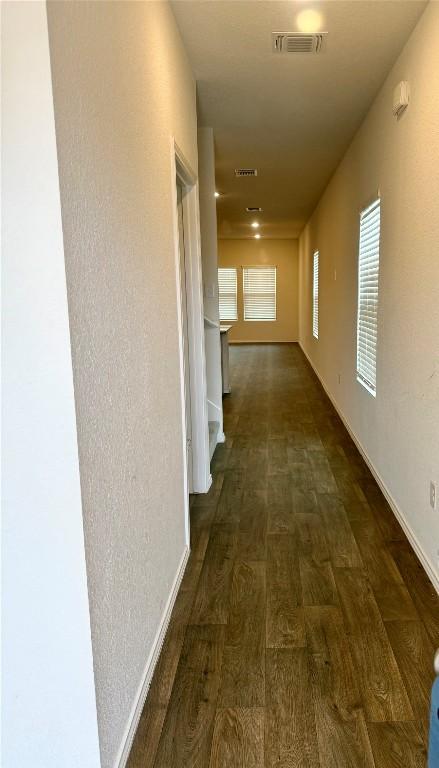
point(253, 209)
point(246, 172)
point(298, 42)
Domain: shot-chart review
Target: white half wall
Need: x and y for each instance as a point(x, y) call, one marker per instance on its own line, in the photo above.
point(48, 698)
point(398, 430)
point(209, 258)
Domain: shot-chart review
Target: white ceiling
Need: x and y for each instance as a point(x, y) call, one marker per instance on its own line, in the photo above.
point(291, 116)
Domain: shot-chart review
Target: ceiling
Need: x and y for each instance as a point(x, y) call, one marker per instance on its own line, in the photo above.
point(290, 116)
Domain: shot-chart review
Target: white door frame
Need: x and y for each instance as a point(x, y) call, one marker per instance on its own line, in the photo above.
point(181, 170)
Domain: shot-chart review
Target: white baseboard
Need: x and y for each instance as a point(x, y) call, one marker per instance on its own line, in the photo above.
point(133, 721)
point(221, 438)
point(408, 530)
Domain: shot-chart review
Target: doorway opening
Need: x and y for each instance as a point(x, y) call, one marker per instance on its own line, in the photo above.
point(195, 429)
point(181, 191)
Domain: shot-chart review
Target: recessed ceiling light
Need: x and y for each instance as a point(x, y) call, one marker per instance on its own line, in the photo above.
point(257, 236)
point(255, 224)
point(217, 194)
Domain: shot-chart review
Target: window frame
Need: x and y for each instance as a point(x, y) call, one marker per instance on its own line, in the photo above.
point(364, 259)
point(228, 293)
point(247, 268)
point(315, 294)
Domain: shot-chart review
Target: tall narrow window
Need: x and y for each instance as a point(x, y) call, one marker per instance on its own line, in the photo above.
point(315, 295)
point(227, 291)
point(368, 272)
point(259, 293)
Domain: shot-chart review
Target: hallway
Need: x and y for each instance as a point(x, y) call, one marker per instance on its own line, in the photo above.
point(198, 576)
point(304, 630)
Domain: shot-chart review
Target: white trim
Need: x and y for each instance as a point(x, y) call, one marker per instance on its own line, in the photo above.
point(200, 427)
point(180, 345)
point(197, 359)
point(209, 484)
point(221, 437)
point(214, 413)
point(142, 692)
point(365, 384)
point(200, 430)
point(411, 536)
point(210, 323)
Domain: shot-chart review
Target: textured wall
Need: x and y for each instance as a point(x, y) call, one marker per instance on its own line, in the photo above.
point(122, 88)
point(48, 695)
point(280, 253)
point(398, 429)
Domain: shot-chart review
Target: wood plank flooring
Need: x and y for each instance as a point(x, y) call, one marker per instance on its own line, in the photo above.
point(304, 631)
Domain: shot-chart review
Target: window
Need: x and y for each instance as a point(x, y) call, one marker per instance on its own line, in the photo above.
point(315, 295)
point(367, 319)
point(227, 285)
point(259, 293)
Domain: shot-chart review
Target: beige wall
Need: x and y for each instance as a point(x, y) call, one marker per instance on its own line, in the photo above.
point(122, 89)
point(399, 429)
point(280, 253)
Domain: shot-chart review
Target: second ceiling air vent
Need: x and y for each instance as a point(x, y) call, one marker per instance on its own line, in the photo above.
point(298, 42)
point(246, 172)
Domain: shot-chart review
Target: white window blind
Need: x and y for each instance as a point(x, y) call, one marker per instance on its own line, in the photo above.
point(368, 272)
point(227, 292)
point(259, 293)
point(315, 295)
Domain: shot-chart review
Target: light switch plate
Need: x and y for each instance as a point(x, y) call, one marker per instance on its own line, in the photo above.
point(433, 495)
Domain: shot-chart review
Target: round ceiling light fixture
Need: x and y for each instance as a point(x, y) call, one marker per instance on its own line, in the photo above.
point(257, 236)
point(309, 21)
point(255, 224)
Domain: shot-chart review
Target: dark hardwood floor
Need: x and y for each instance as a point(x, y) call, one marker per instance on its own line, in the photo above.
point(304, 631)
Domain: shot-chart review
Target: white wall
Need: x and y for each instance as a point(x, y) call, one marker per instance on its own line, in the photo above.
point(209, 258)
point(122, 89)
point(397, 430)
point(49, 710)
